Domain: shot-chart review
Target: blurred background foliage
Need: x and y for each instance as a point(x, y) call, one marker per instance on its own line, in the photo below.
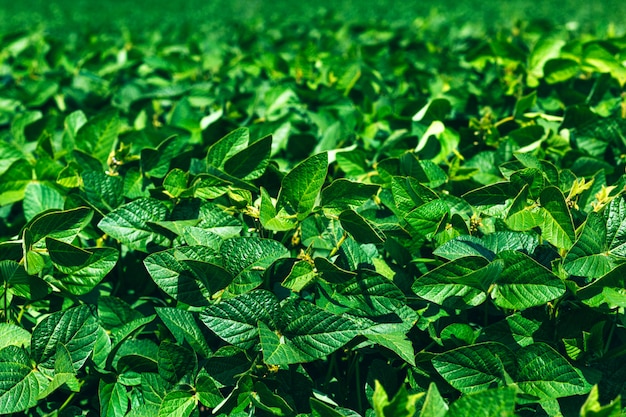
point(75, 16)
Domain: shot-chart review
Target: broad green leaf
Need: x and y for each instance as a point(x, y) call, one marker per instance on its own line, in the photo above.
point(368, 295)
point(464, 246)
point(118, 334)
point(615, 218)
point(523, 216)
point(20, 283)
point(39, 197)
point(19, 384)
point(182, 325)
point(61, 225)
point(154, 388)
point(247, 259)
point(361, 230)
point(13, 335)
point(177, 364)
point(524, 283)
point(396, 342)
point(557, 226)
point(98, 136)
point(424, 220)
point(207, 390)
point(560, 69)
point(343, 194)
point(14, 180)
point(251, 162)
point(493, 402)
point(408, 193)
point(544, 373)
point(103, 192)
point(180, 274)
point(476, 367)
point(461, 283)
point(235, 319)
point(589, 257)
point(545, 49)
point(301, 186)
point(215, 220)
point(264, 399)
point(491, 194)
point(317, 332)
point(113, 399)
point(321, 409)
point(227, 147)
point(175, 183)
point(129, 224)
point(75, 328)
point(593, 408)
point(301, 274)
point(156, 162)
point(434, 404)
point(271, 219)
point(82, 269)
point(403, 404)
point(178, 403)
point(606, 289)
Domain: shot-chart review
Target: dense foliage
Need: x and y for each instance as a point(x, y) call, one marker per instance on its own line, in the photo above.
point(326, 220)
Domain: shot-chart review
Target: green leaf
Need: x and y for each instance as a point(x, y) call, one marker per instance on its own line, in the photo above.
point(182, 325)
point(156, 162)
point(247, 259)
point(544, 373)
point(177, 364)
point(98, 136)
point(82, 269)
point(102, 191)
point(493, 402)
point(39, 197)
point(476, 367)
point(423, 221)
point(113, 399)
point(361, 229)
point(464, 246)
point(589, 257)
point(461, 283)
point(178, 403)
point(207, 390)
point(593, 408)
point(560, 69)
point(19, 384)
point(343, 194)
point(408, 193)
point(227, 147)
point(606, 289)
point(251, 162)
point(434, 404)
point(301, 186)
point(13, 335)
point(61, 225)
point(266, 400)
point(615, 218)
point(75, 328)
point(129, 224)
point(396, 342)
point(402, 404)
point(524, 283)
point(180, 273)
point(316, 332)
point(13, 182)
point(557, 226)
point(235, 319)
